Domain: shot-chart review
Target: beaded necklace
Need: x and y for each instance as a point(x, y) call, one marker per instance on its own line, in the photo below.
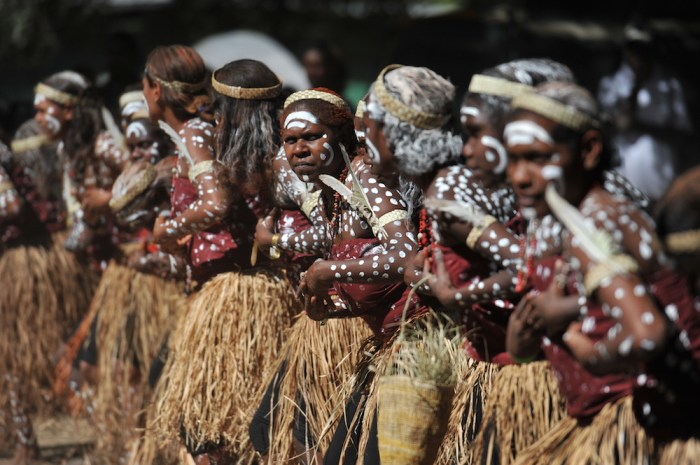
point(336, 211)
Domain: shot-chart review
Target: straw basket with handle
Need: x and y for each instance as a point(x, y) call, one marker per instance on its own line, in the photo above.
point(416, 392)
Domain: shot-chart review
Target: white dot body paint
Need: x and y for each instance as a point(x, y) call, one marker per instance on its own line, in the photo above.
point(497, 151)
point(297, 116)
point(528, 213)
point(525, 132)
point(136, 129)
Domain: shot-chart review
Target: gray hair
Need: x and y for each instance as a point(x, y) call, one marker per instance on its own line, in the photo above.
point(417, 151)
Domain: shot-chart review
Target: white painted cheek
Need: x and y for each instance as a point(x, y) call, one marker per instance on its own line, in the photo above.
point(497, 153)
point(53, 123)
point(374, 157)
point(552, 173)
point(38, 98)
point(330, 156)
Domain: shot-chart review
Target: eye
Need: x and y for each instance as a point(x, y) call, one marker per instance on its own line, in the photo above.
point(290, 140)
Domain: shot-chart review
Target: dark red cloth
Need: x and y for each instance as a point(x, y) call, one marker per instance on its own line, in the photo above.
point(585, 393)
point(666, 394)
point(38, 216)
point(369, 301)
point(224, 246)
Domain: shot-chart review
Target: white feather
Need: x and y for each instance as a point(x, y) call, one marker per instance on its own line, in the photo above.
point(113, 130)
point(177, 140)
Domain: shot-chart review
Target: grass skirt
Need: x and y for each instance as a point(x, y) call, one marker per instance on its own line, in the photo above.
point(679, 451)
point(135, 312)
point(524, 404)
point(320, 360)
point(613, 436)
point(227, 340)
point(44, 291)
point(472, 395)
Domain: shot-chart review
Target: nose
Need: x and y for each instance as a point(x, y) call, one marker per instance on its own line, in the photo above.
point(468, 149)
point(300, 150)
point(519, 174)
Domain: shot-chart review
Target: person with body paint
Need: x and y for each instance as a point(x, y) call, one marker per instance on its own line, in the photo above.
point(404, 124)
point(138, 297)
point(604, 314)
point(226, 179)
point(468, 280)
point(44, 290)
point(68, 110)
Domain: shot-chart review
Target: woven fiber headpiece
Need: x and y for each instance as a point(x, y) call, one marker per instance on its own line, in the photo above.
point(311, 94)
point(683, 242)
point(247, 93)
point(489, 85)
point(128, 97)
point(402, 111)
point(359, 113)
point(178, 86)
point(58, 96)
point(28, 143)
point(556, 111)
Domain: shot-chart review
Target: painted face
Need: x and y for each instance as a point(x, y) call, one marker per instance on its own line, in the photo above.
point(310, 146)
point(535, 160)
point(51, 116)
point(483, 151)
point(143, 142)
point(379, 154)
point(361, 140)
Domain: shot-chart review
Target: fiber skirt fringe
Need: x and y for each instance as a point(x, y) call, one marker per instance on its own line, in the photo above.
point(320, 361)
point(524, 404)
point(135, 312)
point(472, 395)
point(612, 436)
point(679, 452)
point(44, 291)
point(224, 344)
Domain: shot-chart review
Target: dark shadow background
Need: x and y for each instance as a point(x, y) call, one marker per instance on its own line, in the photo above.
point(108, 40)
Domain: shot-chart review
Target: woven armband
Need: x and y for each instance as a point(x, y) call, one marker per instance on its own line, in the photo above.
point(615, 266)
point(478, 230)
point(201, 168)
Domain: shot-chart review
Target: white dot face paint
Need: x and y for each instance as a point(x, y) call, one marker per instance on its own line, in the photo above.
point(497, 153)
point(552, 172)
point(526, 133)
point(299, 118)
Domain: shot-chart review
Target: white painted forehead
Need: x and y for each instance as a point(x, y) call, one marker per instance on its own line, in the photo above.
point(469, 111)
point(526, 132)
point(132, 107)
point(136, 129)
point(301, 116)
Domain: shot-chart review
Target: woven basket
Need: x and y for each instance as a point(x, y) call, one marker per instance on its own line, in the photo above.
point(413, 417)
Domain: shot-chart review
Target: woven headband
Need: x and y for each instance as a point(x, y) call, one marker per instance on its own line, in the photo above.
point(315, 95)
point(58, 96)
point(489, 85)
point(128, 97)
point(28, 143)
point(247, 93)
point(359, 113)
point(556, 111)
point(178, 86)
point(402, 111)
point(683, 242)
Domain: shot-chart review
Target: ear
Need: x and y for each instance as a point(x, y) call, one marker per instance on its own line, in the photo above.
point(68, 112)
point(591, 149)
point(156, 90)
